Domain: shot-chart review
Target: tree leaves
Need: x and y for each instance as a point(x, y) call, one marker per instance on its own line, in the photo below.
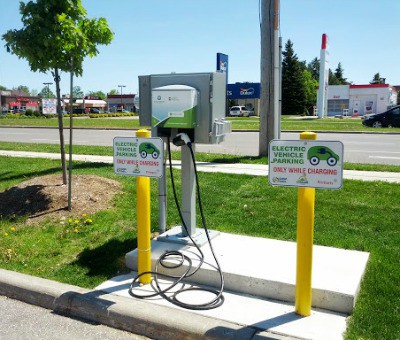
point(57, 35)
point(293, 83)
point(54, 32)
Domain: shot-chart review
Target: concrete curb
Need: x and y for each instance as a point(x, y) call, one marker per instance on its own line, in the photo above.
point(136, 316)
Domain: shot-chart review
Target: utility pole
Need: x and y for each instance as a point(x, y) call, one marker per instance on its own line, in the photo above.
point(270, 75)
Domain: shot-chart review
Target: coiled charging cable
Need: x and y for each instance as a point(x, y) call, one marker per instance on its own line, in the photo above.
point(180, 258)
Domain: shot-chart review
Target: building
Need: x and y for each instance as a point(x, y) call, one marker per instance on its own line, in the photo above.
point(18, 101)
point(244, 94)
point(360, 99)
point(342, 99)
point(118, 102)
point(86, 103)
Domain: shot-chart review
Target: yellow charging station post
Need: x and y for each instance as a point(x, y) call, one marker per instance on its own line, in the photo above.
point(143, 218)
point(305, 237)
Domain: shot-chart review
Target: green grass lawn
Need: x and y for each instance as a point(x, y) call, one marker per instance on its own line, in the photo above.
point(361, 216)
point(238, 123)
point(78, 122)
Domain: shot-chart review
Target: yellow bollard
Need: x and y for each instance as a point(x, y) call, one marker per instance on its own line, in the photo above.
point(143, 219)
point(305, 237)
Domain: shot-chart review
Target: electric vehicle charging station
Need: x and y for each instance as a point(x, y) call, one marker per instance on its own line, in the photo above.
point(185, 108)
point(271, 280)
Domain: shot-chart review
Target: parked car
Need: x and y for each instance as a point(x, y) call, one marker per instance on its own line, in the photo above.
point(79, 110)
point(239, 111)
point(389, 118)
point(94, 110)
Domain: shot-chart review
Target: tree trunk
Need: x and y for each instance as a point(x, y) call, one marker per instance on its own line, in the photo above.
point(60, 126)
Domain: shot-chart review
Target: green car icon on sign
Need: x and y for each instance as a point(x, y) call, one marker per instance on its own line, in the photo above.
point(318, 153)
point(148, 149)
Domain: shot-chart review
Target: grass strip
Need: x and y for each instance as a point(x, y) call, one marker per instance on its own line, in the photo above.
point(360, 216)
point(238, 123)
point(200, 156)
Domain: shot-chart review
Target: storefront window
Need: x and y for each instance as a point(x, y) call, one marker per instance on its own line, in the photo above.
point(336, 106)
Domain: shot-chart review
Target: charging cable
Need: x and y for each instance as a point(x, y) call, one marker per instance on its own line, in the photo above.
point(179, 259)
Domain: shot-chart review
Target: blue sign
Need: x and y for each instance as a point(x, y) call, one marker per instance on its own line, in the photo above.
point(243, 90)
point(222, 64)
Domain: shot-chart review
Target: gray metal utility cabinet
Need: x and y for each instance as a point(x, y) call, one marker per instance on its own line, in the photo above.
point(209, 124)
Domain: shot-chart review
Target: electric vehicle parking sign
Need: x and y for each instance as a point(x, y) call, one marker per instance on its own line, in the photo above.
point(138, 156)
point(306, 163)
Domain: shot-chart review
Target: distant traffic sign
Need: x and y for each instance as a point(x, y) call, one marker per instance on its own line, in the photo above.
point(138, 156)
point(306, 163)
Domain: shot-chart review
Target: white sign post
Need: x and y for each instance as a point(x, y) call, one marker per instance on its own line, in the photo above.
point(306, 163)
point(138, 156)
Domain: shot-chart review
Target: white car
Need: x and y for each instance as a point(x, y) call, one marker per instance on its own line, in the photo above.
point(239, 111)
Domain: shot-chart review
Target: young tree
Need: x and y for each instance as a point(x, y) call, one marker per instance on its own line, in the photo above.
point(311, 88)
point(313, 67)
point(56, 36)
point(24, 89)
point(77, 92)
point(46, 93)
point(113, 91)
point(339, 75)
point(332, 80)
point(377, 79)
point(99, 94)
point(293, 89)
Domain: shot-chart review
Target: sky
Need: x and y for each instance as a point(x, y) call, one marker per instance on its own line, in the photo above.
point(184, 36)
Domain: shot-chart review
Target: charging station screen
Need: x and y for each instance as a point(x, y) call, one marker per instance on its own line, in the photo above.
point(174, 106)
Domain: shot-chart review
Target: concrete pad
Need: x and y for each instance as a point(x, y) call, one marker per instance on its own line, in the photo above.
point(271, 319)
point(267, 268)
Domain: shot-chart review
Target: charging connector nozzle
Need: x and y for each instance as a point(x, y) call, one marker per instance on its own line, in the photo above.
point(181, 139)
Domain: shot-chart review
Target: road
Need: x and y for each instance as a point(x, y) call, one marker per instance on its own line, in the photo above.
point(358, 148)
point(23, 321)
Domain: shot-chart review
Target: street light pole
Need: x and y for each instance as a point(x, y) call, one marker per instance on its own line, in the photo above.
point(48, 89)
point(121, 86)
